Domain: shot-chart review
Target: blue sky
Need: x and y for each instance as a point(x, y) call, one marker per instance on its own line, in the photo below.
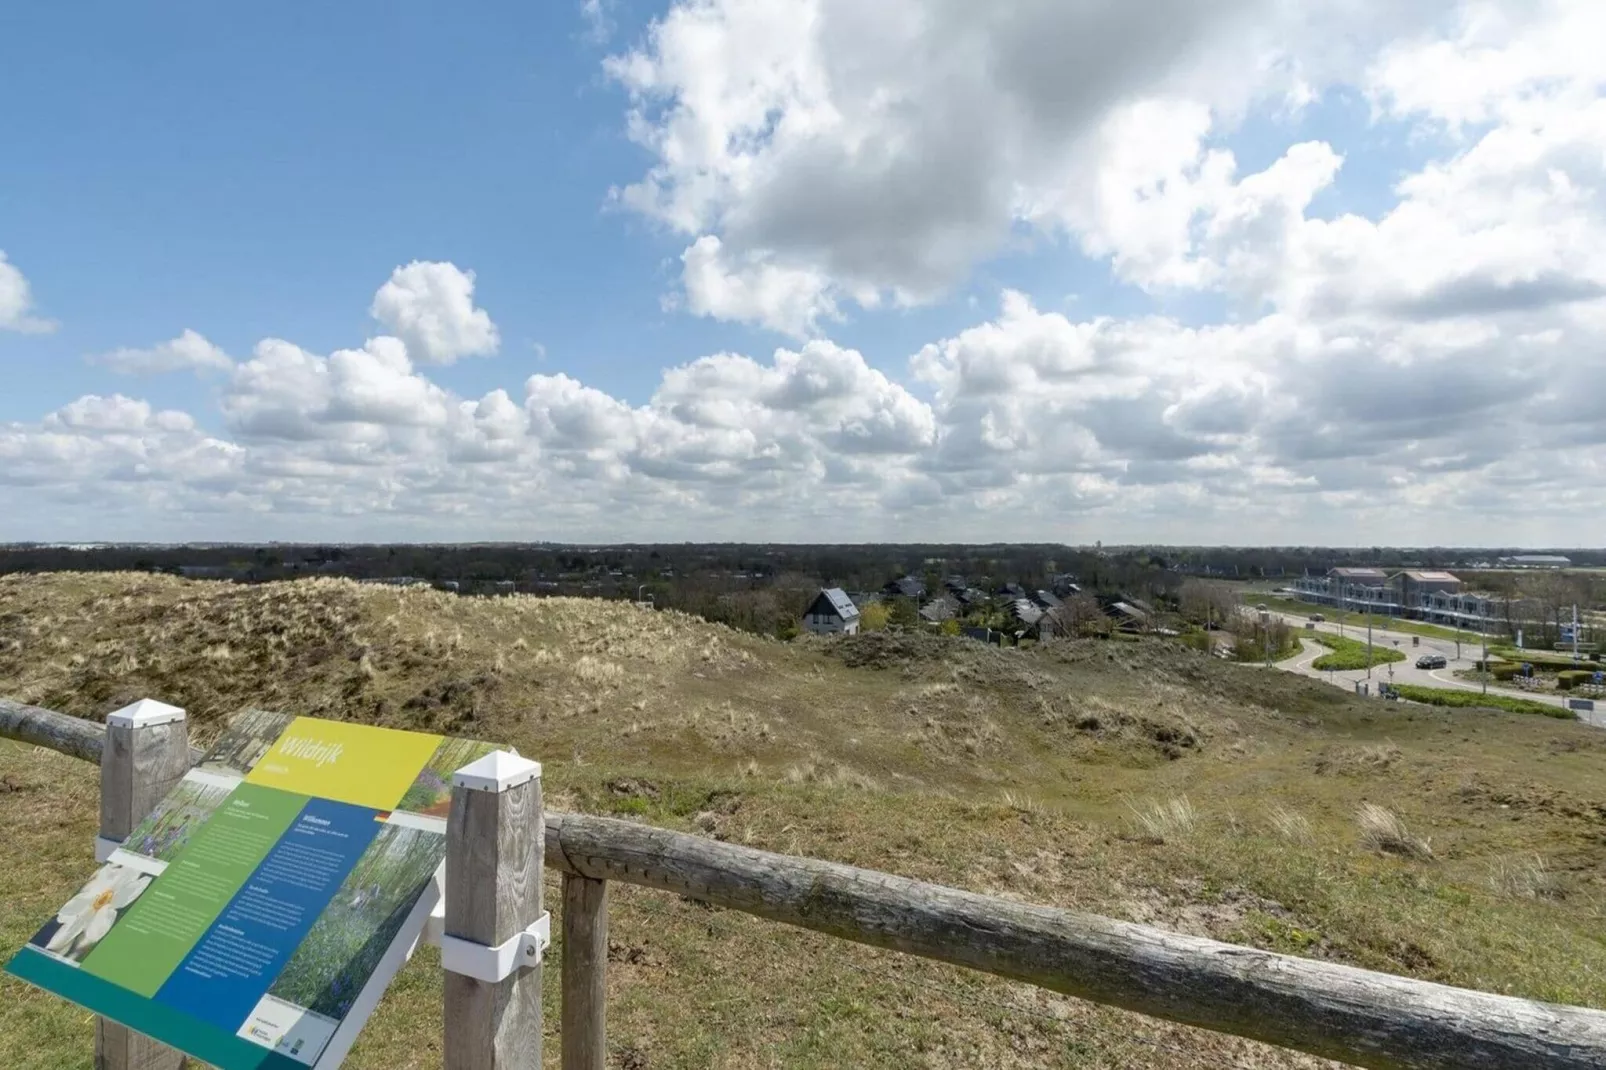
point(251, 173)
point(257, 172)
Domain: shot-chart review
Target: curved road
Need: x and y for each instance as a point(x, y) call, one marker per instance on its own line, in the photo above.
point(1406, 672)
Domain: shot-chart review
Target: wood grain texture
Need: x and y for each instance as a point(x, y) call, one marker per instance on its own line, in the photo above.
point(138, 766)
point(69, 735)
point(1365, 1018)
point(46, 728)
point(120, 1048)
point(493, 891)
point(585, 973)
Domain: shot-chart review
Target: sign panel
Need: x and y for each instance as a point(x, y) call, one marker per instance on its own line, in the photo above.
point(254, 917)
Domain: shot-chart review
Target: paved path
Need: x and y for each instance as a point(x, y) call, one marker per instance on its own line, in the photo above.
point(1406, 672)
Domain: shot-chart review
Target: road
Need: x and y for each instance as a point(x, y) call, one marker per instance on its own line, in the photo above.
point(1406, 672)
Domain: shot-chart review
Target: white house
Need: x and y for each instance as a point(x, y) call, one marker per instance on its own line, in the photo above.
point(832, 613)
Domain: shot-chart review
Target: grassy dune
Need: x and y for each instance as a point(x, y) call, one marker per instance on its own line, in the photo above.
point(1133, 779)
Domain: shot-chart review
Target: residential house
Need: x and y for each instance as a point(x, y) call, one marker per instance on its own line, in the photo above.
point(1024, 617)
point(1064, 584)
point(1127, 617)
point(831, 613)
point(905, 587)
point(970, 598)
point(1010, 591)
point(939, 609)
point(1413, 587)
point(1048, 600)
point(1363, 590)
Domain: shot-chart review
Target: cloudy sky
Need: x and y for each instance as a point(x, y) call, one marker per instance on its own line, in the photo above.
point(1321, 271)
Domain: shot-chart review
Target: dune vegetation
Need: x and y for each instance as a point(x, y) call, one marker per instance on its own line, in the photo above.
point(1137, 779)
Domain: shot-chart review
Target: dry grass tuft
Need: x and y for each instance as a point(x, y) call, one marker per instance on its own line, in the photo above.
point(830, 775)
point(1291, 825)
point(1021, 803)
point(1524, 878)
point(1168, 820)
point(1383, 830)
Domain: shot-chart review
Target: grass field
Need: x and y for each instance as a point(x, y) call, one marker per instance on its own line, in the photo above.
point(1350, 653)
point(1119, 778)
point(1450, 696)
point(1543, 659)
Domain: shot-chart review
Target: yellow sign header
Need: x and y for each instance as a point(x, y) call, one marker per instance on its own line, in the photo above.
point(351, 763)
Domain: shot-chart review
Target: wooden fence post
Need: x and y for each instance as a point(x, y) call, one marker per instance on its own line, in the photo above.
point(585, 972)
point(494, 845)
point(147, 752)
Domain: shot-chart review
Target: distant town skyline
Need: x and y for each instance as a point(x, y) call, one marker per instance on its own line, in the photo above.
point(806, 271)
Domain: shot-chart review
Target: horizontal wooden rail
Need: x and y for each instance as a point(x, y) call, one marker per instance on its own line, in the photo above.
point(62, 732)
point(1358, 1016)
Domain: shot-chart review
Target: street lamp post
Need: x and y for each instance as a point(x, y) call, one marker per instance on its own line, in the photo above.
point(1483, 627)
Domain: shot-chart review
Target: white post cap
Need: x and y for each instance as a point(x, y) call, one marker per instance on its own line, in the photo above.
point(146, 713)
point(498, 771)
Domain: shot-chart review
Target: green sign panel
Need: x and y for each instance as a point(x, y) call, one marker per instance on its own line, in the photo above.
point(255, 916)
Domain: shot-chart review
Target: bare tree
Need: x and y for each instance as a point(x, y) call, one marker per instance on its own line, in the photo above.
point(1203, 601)
point(1078, 616)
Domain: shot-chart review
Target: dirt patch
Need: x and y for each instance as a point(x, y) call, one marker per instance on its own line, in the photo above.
point(1188, 909)
point(891, 650)
point(1371, 760)
point(632, 788)
point(1533, 798)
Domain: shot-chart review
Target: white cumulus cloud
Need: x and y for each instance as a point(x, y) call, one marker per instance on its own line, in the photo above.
point(430, 307)
point(16, 302)
point(832, 150)
point(190, 351)
point(1421, 373)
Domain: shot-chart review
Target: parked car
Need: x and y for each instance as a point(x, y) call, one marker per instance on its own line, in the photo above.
point(1431, 661)
point(1317, 617)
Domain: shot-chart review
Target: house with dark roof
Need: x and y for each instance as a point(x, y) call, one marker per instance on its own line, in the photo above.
point(1127, 617)
point(970, 597)
point(1047, 600)
point(905, 587)
point(1024, 612)
point(831, 613)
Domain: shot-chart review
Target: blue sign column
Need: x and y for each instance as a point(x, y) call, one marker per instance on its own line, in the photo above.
point(232, 966)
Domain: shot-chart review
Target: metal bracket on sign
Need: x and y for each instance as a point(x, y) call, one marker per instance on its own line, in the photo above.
point(491, 964)
point(105, 847)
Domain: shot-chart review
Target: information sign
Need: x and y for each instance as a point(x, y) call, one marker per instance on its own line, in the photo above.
point(254, 917)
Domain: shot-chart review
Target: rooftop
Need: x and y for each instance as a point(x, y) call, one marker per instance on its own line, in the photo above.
point(840, 602)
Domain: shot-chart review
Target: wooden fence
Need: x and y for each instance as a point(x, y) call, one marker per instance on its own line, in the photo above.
point(493, 891)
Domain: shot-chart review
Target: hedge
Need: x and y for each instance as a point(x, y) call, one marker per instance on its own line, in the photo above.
point(1444, 696)
point(1349, 653)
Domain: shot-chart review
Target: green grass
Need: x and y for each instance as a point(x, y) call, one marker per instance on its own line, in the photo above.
point(1449, 696)
point(1350, 653)
point(1543, 659)
point(1022, 774)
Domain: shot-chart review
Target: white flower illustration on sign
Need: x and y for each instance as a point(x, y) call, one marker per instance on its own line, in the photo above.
point(88, 916)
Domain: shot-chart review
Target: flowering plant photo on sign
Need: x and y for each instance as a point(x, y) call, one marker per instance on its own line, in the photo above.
point(252, 919)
